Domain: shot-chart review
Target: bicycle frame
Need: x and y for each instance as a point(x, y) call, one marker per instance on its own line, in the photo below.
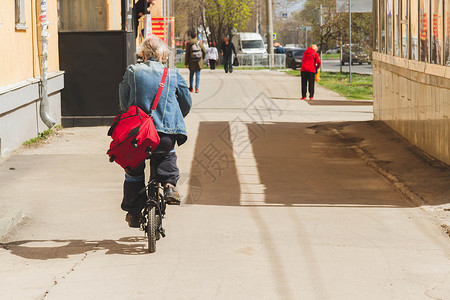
point(154, 201)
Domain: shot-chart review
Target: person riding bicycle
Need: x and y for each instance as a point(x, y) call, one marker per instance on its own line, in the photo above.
point(140, 83)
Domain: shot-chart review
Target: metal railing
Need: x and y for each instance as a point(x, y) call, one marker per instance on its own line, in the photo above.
point(254, 60)
point(262, 60)
point(179, 58)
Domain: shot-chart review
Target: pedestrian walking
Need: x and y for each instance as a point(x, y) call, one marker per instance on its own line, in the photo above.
point(212, 56)
point(227, 50)
point(310, 63)
point(139, 86)
point(195, 54)
point(278, 49)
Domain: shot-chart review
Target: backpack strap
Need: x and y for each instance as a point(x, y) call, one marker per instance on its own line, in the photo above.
point(155, 102)
point(159, 92)
point(114, 124)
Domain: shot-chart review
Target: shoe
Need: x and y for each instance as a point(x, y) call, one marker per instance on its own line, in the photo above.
point(231, 71)
point(171, 196)
point(191, 90)
point(196, 90)
point(133, 220)
point(311, 98)
point(303, 98)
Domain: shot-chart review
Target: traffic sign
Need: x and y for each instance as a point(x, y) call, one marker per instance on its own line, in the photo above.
point(274, 36)
point(306, 28)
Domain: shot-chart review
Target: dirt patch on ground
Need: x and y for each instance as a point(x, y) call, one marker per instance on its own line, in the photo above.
point(424, 180)
point(36, 143)
point(44, 139)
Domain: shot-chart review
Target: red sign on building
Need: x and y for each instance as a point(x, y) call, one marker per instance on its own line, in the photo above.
point(158, 28)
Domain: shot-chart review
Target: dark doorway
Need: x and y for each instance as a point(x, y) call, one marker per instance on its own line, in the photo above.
point(96, 44)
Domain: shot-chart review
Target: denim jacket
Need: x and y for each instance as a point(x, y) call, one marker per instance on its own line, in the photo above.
point(139, 86)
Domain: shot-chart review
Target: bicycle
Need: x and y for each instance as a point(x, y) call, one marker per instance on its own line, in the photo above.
point(155, 208)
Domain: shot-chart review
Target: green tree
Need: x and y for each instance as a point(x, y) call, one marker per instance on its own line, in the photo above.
point(187, 18)
point(222, 16)
point(335, 26)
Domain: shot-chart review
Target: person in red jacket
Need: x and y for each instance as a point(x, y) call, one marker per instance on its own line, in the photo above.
point(310, 63)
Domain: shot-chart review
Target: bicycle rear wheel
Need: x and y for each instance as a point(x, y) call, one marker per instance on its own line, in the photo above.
point(152, 223)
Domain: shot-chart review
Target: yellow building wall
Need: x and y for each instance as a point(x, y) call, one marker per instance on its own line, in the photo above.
point(19, 57)
point(114, 17)
point(413, 98)
point(156, 11)
point(16, 47)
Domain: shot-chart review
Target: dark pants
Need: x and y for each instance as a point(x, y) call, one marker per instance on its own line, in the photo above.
point(166, 172)
point(308, 80)
point(197, 78)
point(212, 64)
point(227, 64)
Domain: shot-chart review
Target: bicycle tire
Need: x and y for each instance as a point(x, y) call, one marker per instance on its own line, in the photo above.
point(151, 229)
point(158, 222)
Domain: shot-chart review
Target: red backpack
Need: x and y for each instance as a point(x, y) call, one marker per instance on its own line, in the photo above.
point(134, 134)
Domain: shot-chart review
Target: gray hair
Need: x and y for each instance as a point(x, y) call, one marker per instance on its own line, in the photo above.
point(154, 47)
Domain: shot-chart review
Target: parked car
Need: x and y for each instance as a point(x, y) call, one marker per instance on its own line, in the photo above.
point(294, 58)
point(333, 50)
point(359, 56)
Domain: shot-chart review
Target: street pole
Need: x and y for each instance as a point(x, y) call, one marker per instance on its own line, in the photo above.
point(270, 33)
point(340, 56)
point(321, 46)
point(164, 13)
point(147, 21)
point(350, 36)
point(257, 19)
point(306, 38)
point(172, 36)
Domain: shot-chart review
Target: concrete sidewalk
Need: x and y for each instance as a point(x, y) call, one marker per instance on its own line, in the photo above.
point(9, 217)
point(314, 201)
point(209, 104)
point(212, 100)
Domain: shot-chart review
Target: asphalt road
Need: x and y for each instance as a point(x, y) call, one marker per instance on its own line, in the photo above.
point(334, 66)
point(282, 199)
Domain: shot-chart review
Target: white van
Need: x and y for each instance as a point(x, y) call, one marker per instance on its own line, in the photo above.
point(249, 43)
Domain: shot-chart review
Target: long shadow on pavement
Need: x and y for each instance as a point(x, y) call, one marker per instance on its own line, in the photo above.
point(51, 249)
point(304, 164)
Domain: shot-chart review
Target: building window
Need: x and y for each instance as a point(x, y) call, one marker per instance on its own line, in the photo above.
point(376, 23)
point(389, 26)
point(382, 26)
point(414, 30)
point(436, 31)
point(424, 30)
point(404, 27)
point(21, 20)
point(447, 33)
point(397, 28)
point(92, 15)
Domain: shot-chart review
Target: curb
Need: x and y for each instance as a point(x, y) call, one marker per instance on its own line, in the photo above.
point(9, 218)
point(394, 181)
point(370, 161)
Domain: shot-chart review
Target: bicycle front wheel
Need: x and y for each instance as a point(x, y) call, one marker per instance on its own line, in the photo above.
point(151, 229)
